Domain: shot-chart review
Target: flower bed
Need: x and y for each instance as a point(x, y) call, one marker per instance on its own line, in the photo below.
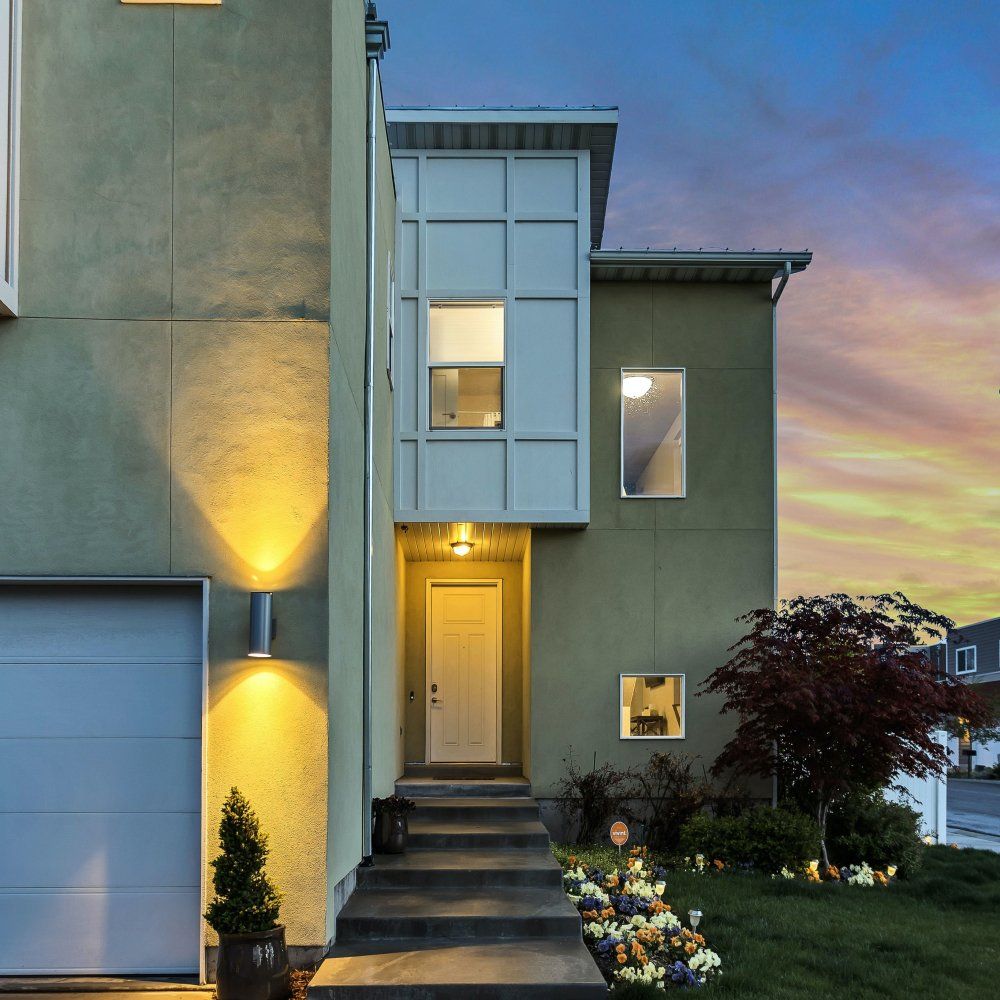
point(632, 934)
point(863, 874)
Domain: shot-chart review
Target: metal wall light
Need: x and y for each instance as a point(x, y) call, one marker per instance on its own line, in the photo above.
point(263, 627)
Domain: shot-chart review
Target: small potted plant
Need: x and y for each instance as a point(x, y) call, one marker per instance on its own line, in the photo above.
point(253, 960)
point(389, 817)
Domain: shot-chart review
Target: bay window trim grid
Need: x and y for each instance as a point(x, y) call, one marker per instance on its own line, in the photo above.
point(968, 670)
point(621, 692)
point(632, 370)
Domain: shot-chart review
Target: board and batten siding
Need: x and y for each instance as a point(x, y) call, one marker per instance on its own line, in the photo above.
point(497, 225)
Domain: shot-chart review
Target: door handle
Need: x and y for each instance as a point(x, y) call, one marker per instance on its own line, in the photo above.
point(437, 701)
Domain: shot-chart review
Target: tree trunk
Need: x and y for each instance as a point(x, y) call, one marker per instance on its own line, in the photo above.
point(822, 811)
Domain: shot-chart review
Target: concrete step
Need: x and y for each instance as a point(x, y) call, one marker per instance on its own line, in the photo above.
point(468, 808)
point(416, 788)
point(463, 869)
point(460, 835)
point(449, 914)
point(460, 772)
point(530, 969)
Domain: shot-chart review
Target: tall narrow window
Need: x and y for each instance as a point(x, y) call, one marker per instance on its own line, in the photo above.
point(652, 461)
point(465, 355)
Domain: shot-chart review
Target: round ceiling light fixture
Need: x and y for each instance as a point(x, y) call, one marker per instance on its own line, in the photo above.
point(461, 547)
point(636, 386)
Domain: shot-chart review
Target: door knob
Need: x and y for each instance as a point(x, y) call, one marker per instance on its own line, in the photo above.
point(437, 701)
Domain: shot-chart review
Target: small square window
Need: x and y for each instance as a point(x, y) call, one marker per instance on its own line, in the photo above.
point(965, 660)
point(465, 356)
point(651, 706)
point(652, 429)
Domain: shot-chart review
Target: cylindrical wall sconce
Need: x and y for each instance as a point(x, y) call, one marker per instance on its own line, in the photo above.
point(262, 624)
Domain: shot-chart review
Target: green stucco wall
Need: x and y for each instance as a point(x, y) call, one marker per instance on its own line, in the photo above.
point(348, 86)
point(172, 399)
point(654, 585)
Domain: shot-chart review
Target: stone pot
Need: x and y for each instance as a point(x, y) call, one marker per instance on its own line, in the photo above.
point(253, 966)
point(391, 832)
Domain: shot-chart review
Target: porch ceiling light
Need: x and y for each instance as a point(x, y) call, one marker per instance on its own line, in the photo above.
point(636, 386)
point(462, 547)
point(263, 627)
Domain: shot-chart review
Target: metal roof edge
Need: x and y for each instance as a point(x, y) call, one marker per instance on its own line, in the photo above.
point(537, 115)
point(799, 259)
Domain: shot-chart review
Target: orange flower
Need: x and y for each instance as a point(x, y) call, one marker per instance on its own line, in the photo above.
point(699, 939)
point(675, 942)
point(690, 947)
point(622, 959)
point(571, 860)
point(620, 948)
point(719, 865)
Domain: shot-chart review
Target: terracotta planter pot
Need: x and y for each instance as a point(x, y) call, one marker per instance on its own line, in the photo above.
point(253, 966)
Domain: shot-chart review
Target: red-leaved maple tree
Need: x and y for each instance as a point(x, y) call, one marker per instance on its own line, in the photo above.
point(834, 693)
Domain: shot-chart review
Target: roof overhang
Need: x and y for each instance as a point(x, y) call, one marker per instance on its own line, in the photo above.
point(593, 129)
point(695, 265)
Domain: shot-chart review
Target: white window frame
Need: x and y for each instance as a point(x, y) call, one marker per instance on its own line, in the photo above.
point(621, 436)
point(968, 670)
point(621, 697)
point(390, 331)
point(8, 277)
point(429, 365)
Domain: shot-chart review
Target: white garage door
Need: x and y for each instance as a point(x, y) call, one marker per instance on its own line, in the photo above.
point(100, 778)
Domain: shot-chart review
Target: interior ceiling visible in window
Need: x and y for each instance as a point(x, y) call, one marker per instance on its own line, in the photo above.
point(647, 420)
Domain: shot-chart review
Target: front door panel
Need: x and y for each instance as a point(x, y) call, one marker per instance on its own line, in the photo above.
point(463, 673)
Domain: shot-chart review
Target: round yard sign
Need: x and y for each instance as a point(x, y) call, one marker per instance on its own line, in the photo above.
point(619, 834)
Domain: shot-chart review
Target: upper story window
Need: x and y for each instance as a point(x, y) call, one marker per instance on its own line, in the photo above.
point(965, 660)
point(652, 459)
point(465, 358)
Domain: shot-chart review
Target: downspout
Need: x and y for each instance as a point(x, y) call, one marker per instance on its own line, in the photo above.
point(376, 42)
point(786, 274)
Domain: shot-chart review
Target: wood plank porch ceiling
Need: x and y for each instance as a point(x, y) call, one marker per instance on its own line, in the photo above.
point(492, 542)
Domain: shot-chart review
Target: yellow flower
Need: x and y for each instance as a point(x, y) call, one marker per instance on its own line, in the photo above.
point(690, 947)
point(814, 866)
point(891, 871)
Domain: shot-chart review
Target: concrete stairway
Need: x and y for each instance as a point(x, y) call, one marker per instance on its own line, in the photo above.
point(474, 910)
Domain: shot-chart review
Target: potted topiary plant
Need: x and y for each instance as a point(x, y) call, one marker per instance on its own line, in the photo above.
point(253, 960)
point(391, 829)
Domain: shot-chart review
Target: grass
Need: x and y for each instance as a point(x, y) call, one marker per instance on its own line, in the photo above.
point(934, 935)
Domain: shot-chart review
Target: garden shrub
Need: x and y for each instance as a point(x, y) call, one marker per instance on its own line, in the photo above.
point(588, 799)
point(665, 795)
point(865, 827)
point(768, 839)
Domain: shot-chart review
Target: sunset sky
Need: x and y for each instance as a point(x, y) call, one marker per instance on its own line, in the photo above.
point(866, 132)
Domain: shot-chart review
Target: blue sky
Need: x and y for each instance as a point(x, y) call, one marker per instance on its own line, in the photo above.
point(866, 132)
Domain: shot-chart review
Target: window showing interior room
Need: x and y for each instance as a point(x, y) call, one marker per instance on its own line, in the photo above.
point(465, 349)
point(652, 429)
point(965, 660)
point(652, 706)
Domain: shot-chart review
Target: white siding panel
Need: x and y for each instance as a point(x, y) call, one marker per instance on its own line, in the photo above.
point(545, 184)
point(468, 475)
point(544, 378)
point(408, 255)
point(474, 186)
point(404, 172)
point(544, 474)
point(466, 255)
point(546, 255)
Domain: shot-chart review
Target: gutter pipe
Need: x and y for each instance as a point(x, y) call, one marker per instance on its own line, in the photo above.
point(376, 42)
point(786, 274)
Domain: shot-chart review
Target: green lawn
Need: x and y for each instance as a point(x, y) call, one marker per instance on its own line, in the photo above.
point(934, 936)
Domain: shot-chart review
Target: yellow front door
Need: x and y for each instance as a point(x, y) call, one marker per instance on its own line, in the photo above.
point(463, 673)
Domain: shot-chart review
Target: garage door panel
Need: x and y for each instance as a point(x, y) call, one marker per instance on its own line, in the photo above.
point(139, 698)
point(99, 850)
point(110, 932)
point(100, 775)
point(97, 622)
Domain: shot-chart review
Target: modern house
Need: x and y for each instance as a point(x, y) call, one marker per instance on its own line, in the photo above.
point(972, 653)
point(272, 350)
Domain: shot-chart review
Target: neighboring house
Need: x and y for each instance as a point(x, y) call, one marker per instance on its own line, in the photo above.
point(570, 489)
point(972, 653)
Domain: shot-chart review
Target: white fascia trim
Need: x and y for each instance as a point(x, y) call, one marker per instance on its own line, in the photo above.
point(530, 116)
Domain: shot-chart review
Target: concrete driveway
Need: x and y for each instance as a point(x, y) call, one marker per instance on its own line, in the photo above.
point(974, 811)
